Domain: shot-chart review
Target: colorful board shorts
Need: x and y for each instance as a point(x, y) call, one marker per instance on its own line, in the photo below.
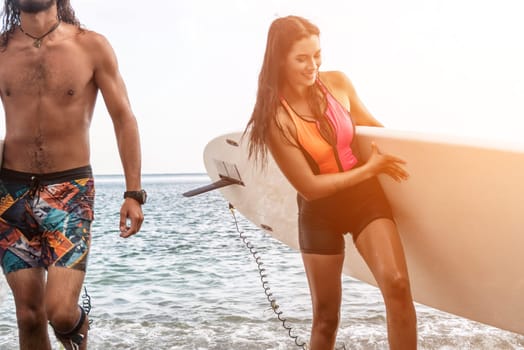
point(322, 223)
point(45, 219)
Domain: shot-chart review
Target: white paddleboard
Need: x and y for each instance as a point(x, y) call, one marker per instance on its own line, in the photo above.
point(460, 216)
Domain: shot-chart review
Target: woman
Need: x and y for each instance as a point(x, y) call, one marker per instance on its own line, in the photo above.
point(306, 119)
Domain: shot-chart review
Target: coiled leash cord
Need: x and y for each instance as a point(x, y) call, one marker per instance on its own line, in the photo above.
point(265, 284)
point(86, 304)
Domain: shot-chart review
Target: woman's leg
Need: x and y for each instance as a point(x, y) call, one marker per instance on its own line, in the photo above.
point(380, 246)
point(325, 285)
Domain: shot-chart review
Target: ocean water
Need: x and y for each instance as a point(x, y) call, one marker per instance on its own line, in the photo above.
point(187, 281)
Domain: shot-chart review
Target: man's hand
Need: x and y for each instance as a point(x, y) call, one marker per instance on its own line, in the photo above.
point(131, 210)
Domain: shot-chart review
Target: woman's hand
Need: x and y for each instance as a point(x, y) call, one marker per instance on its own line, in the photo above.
point(387, 164)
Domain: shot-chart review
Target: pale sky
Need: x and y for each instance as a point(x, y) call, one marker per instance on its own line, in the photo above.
point(452, 67)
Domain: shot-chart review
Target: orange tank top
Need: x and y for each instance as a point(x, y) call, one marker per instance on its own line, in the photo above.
point(326, 157)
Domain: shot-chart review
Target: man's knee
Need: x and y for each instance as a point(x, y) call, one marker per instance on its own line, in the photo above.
point(29, 318)
point(71, 334)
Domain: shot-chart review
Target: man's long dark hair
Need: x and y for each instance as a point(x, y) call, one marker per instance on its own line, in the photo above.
point(11, 19)
point(283, 33)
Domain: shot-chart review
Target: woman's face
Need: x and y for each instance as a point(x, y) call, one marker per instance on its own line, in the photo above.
point(302, 62)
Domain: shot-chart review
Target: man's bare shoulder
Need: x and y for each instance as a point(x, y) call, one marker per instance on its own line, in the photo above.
point(96, 46)
point(91, 39)
point(7, 40)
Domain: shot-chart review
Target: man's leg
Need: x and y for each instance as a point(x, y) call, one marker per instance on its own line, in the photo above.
point(28, 286)
point(65, 316)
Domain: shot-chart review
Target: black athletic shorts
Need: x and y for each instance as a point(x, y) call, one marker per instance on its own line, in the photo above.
point(322, 223)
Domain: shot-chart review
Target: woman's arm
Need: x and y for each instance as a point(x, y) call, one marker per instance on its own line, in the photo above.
point(295, 167)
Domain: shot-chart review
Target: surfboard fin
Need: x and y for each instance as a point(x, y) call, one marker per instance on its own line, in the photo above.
point(229, 175)
point(224, 181)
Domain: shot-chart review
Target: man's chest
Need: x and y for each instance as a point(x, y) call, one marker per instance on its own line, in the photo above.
point(49, 73)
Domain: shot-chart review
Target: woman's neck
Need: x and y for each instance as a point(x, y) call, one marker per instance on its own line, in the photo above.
point(295, 93)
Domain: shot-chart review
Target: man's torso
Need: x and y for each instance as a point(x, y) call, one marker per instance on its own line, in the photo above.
point(48, 94)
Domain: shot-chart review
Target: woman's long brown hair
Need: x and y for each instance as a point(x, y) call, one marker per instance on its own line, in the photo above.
point(283, 33)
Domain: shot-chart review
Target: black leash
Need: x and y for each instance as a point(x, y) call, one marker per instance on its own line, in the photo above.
point(265, 284)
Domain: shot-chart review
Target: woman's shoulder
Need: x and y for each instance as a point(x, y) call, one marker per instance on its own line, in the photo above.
point(283, 120)
point(334, 77)
point(282, 127)
point(281, 116)
point(335, 80)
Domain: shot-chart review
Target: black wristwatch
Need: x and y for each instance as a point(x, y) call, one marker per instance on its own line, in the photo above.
point(139, 196)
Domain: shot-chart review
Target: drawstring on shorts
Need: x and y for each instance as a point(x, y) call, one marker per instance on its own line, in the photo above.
point(35, 187)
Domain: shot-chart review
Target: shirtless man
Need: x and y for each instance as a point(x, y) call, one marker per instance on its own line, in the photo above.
point(50, 73)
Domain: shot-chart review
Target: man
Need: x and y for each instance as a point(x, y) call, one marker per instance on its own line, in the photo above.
point(50, 73)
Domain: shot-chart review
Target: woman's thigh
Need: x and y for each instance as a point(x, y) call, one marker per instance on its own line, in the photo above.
point(381, 247)
point(325, 281)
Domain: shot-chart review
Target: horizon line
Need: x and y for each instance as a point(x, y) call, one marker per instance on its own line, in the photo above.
point(156, 174)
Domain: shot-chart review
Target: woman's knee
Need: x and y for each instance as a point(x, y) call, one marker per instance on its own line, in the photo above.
point(326, 321)
point(396, 288)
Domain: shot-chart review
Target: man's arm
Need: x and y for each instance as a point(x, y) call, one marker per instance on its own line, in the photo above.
point(109, 81)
